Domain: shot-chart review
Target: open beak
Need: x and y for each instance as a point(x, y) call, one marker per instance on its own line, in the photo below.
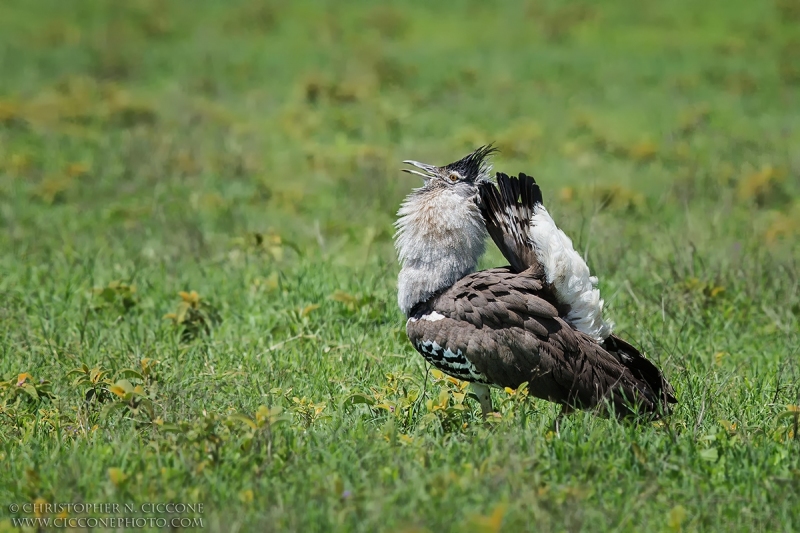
point(428, 171)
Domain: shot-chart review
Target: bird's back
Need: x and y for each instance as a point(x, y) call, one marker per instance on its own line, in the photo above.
point(500, 327)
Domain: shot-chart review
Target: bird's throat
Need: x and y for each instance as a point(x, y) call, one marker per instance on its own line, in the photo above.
point(439, 241)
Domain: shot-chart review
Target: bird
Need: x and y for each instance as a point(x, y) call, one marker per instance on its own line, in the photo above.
point(536, 321)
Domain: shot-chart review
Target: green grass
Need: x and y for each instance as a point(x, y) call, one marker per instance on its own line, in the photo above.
point(249, 150)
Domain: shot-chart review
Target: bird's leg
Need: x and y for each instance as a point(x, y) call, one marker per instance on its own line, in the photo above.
point(565, 410)
point(484, 396)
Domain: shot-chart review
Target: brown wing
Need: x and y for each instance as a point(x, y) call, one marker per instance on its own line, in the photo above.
point(495, 327)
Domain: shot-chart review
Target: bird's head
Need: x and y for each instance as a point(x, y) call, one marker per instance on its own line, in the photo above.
point(461, 177)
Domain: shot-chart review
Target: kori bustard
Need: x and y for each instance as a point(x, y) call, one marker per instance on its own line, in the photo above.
point(538, 320)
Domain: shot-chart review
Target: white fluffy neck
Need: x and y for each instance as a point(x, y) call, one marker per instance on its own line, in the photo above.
point(440, 237)
point(569, 275)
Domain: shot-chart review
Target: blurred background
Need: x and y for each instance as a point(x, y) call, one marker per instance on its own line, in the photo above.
point(173, 127)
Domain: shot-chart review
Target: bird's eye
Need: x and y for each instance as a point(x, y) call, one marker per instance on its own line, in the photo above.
point(454, 176)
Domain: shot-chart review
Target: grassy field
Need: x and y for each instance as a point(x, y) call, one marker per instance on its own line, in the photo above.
point(197, 278)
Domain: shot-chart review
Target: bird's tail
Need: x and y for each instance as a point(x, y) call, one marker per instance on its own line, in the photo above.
point(658, 393)
point(507, 211)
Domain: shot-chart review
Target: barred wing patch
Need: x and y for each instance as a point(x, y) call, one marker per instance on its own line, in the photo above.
point(452, 364)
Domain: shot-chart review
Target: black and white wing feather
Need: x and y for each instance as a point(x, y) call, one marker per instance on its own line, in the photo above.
point(526, 234)
point(507, 211)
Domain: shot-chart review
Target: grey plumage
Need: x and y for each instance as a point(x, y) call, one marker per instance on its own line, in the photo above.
point(508, 326)
point(440, 230)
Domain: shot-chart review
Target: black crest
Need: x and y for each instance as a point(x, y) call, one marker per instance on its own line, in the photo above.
point(474, 164)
